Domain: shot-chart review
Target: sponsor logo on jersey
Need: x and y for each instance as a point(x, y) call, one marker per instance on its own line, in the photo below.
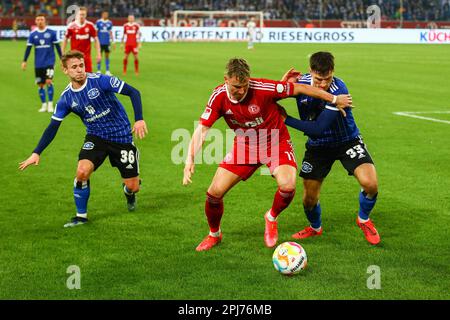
point(253, 109)
point(249, 124)
point(93, 93)
point(306, 167)
point(88, 145)
point(82, 36)
point(74, 104)
point(115, 82)
point(90, 109)
point(207, 113)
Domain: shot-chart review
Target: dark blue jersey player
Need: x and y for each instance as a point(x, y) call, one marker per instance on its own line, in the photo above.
point(105, 36)
point(331, 136)
point(44, 41)
point(109, 134)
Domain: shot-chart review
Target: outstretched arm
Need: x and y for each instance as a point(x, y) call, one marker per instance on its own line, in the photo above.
point(317, 127)
point(198, 138)
point(342, 100)
point(47, 137)
point(140, 127)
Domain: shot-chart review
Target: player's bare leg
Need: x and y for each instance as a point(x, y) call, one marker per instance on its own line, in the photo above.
point(222, 182)
point(43, 97)
point(130, 188)
point(286, 177)
point(367, 178)
point(81, 192)
point(313, 211)
point(49, 84)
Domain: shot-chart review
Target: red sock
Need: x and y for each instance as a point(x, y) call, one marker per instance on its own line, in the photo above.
point(136, 65)
point(125, 62)
point(281, 201)
point(214, 212)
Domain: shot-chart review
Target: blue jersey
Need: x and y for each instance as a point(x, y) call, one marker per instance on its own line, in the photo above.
point(98, 107)
point(43, 42)
point(103, 29)
point(342, 129)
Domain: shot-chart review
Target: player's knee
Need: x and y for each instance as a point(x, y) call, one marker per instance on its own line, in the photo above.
point(370, 187)
point(216, 192)
point(83, 173)
point(48, 82)
point(310, 200)
point(133, 185)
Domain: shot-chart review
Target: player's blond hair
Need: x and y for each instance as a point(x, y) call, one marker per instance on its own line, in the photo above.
point(69, 55)
point(239, 68)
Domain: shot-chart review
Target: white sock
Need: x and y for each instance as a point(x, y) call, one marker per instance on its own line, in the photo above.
point(270, 217)
point(362, 220)
point(82, 215)
point(316, 229)
point(215, 234)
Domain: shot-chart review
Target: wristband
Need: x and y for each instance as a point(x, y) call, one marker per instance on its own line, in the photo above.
point(334, 100)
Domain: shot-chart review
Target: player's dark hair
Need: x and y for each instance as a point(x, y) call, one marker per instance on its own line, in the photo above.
point(322, 62)
point(239, 68)
point(71, 54)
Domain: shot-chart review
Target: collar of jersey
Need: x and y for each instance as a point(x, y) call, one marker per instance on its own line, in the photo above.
point(80, 88)
point(231, 99)
point(37, 29)
point(80, 25)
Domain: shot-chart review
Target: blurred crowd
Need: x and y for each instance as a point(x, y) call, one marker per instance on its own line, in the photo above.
point(413, 10)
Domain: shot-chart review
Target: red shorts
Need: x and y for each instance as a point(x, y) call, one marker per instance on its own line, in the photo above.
point(131, 49)
point(245, 163)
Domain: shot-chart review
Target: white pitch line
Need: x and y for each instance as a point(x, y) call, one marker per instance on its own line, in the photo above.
point(413, 115)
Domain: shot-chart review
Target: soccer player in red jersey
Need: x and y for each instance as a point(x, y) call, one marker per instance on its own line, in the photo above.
point(132, 44)
point(249, 108)
point(80, 33)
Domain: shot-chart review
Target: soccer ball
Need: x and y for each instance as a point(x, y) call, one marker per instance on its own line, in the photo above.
point(289, 258)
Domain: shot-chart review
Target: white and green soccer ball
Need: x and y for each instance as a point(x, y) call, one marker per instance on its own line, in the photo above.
point(289, 258)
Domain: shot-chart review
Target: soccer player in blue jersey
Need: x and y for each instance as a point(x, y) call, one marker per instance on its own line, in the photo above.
point(44, 41)
point(109, 134)
point(105, 36)
point(331, 136)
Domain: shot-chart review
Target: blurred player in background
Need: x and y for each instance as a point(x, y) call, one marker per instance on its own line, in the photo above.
point(249, 107)
point(105, 36)
point(331, 137)
point(132, 44)
point(44, 41)
point(80, 32)
point(251, 32)
point(92, 97)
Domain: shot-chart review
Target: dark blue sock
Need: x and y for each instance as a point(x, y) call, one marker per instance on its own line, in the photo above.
point(314, 216)
point(50, 92)
point(107, 64)
point(42, 94)
point(81, 192)
point(366, 205)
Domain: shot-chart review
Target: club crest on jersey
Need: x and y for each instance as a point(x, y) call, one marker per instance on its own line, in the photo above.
point(115, 82)
point(207, 113)
point(88, 145)
point(306, 167)
point(47, 35)
point(90, 109)
point(253, 109)
point(93, 93)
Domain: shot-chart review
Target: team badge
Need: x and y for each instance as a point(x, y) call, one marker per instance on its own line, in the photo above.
point(47, 35)
point(306, 167)
point(88, 145)
point(93, 93)
point(253, 109)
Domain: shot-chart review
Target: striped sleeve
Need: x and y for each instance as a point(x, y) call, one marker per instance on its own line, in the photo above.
point(213, 108)
point(275, 89)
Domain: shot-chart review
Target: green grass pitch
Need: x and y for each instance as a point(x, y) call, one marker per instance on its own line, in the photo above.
point(149, 254)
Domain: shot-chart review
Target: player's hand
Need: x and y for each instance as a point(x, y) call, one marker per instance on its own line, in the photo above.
point(188, 172)
point(140, 129)
point(343, 101)
point(24, 65)
point(282, 112)
point(33, 159)
point(291, 75)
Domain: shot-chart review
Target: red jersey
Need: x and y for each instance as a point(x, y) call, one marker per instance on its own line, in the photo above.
point(80, 36)
point(131, 31)
point(257, 110)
